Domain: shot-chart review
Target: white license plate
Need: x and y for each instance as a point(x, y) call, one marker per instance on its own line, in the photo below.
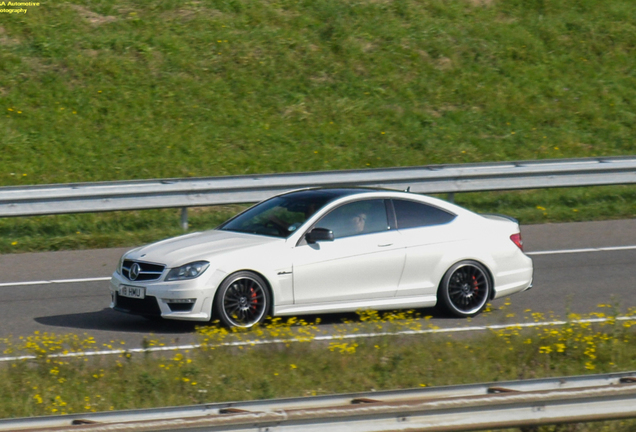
point(132, 292)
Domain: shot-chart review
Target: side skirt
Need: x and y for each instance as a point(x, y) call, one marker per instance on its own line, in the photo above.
point(379, 304)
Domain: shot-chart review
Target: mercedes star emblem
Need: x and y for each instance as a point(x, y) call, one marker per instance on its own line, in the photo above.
point(134, 271)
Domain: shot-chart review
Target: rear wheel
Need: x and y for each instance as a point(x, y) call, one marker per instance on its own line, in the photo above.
point(242, 300)
point(465, 289)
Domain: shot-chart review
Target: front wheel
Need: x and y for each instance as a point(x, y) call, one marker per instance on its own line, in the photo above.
point(465, 289)
point(242, 300)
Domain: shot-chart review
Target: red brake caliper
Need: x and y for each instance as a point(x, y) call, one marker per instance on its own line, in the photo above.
point(475, 284)
point(254, 299)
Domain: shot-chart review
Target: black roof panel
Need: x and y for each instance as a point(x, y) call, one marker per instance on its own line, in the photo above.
point(329, 193)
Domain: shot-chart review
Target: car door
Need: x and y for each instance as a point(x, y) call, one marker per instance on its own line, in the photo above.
point(364, 261)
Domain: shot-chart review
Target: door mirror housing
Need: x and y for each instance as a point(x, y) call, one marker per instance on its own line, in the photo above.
point(319, 234)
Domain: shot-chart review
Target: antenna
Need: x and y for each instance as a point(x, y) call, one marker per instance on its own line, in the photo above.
point(408, 189)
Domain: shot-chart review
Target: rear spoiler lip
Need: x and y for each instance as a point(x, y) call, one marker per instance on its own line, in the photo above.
point(510, 218)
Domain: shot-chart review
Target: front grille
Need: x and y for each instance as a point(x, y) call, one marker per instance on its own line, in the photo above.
point(147, 306)
point(148, 271)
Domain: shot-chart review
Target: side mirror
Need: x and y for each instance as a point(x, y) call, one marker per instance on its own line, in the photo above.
point(319, 234)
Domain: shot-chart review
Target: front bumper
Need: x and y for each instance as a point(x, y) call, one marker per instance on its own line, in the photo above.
point(189, 300)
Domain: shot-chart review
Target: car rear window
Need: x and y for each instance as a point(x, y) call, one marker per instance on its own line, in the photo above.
point(411, 214)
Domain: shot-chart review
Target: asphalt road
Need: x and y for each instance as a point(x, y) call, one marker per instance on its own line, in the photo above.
point(564, 280)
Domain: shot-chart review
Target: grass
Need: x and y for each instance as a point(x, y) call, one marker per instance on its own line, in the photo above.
point(119, 90)
point(114, 90)
point(215, 373)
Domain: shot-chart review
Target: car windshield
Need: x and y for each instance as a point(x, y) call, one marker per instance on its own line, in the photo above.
point(279, 216)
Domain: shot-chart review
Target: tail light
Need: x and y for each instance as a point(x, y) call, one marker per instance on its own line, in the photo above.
point(516, 239)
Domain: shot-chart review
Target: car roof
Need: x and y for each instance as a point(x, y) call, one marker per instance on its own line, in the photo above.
point(329, 194)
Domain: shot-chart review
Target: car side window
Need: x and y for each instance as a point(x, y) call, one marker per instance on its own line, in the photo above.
point(360, 217)
point(411, 214)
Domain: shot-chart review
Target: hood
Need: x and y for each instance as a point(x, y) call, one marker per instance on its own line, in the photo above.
point(197, 246)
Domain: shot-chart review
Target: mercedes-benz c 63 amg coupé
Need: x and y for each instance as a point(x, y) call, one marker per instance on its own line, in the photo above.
point(327, 250)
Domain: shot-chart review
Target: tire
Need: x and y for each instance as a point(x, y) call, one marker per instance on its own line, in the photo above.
point(465, 289)
point(243, 300)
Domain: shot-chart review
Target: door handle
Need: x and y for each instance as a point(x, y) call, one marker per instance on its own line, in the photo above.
point(385, 245)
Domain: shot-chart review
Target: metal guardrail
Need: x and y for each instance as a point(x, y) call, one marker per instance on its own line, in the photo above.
point(437, 409)
point(184, 193)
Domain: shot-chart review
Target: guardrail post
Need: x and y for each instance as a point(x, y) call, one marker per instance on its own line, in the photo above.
point(184, 218)
point(450, 197)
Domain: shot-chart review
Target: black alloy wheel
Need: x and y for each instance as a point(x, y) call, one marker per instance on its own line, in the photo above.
point(465, 289)
point(242, 300)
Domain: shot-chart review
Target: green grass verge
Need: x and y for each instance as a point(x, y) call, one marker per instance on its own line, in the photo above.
point(113, 89)
point(117, 90)
point(216, 373)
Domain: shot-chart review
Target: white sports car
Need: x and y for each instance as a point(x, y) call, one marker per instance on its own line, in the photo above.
point(327, 250)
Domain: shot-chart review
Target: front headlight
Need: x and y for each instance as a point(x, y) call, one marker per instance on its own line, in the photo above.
point(188, 271)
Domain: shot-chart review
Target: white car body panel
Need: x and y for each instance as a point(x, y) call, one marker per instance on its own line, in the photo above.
point(429, 252)
point(348, 269)
point(386, 270)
